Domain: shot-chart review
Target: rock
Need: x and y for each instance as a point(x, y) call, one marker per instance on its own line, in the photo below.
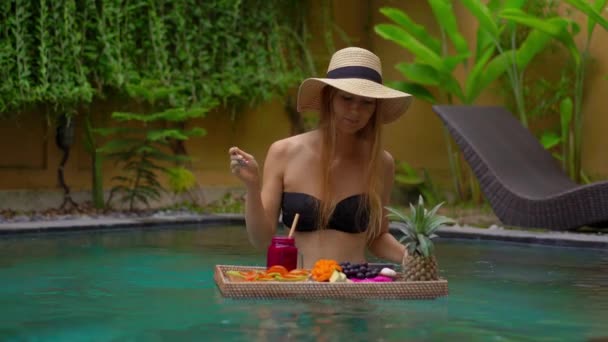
point(21, 218)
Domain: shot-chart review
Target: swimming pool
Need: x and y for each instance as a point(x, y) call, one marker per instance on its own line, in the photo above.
point(157, 284)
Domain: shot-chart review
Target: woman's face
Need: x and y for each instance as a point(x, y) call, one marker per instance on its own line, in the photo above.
point(351, 112)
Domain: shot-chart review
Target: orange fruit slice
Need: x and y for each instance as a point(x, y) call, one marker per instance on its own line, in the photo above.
point(277, 269)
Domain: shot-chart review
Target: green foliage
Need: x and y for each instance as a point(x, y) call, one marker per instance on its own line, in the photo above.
point(229, 203)
point(90, 145)
point(188, 206)
point(518, 45)
point(179, 59)
point(511, 33)
point(515, 34)
point(419, 227)
point(565, 31)
point(406, 175)
point(544, 96)
point(42, 49)
point(230, 52)
point(180, 179)
point(434, 67)
point(138, 182)
point(412, 184)
point(143, 153)
point(145, 150)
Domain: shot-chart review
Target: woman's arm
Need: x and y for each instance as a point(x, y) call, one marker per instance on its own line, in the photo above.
point(262, 202)
point(386, 246)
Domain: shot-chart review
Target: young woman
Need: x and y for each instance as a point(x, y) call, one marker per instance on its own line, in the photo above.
point(336, 177)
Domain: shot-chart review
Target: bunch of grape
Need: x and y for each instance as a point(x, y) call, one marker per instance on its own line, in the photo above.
point(359, 271)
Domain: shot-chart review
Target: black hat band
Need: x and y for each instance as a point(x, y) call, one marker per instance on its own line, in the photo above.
point(356, 72)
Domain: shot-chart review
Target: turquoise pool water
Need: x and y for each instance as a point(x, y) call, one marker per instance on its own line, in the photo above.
point(157, 285)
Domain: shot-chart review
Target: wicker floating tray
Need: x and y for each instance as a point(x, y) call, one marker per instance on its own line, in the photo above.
point(397, 289)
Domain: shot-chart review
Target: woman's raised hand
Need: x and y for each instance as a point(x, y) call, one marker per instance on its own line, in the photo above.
point(244, 166)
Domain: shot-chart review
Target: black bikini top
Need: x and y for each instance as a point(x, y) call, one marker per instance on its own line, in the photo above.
point(346, 216)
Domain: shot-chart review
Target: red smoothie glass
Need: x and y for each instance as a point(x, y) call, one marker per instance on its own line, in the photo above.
point(282, 251)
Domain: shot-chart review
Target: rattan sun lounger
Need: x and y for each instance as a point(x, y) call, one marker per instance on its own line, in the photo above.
point(523, 183)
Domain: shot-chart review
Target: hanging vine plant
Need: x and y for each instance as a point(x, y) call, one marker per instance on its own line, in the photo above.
point(182, 58)
point(233, 52)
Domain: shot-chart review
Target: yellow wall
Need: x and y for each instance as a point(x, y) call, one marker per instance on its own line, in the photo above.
point(30, 158)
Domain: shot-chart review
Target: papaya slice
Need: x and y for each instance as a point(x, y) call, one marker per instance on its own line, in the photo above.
point(251, 276)
point(277, 269)
point(300, 272)
point(293, 277)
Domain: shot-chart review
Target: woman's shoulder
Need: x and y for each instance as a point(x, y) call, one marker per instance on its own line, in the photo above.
point(387, 157)
point(388, 161)
point(291, 145)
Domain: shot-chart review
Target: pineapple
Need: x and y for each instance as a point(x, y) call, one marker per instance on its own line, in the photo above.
point(419, 263)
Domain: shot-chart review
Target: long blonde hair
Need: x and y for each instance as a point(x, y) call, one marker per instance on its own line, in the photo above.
point(373, 180)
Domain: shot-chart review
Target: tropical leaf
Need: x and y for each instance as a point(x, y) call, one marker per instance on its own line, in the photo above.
point(593, 12)
point(472, 85)
point(550, 139)
point(513, 3)
point(406, 175)
point(419, 32)
point(484, 41)
point(483, 15)
point(555, 27)
point(493, 70)
point(444, 12)
point(566, 110)
point(451, 85)
point(408, 180)
point(410, 43)
point(419, 73)
point(535, 42)
point(414, 89)
point(451, 62)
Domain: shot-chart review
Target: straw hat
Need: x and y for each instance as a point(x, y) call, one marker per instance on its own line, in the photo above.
point(359, 72)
